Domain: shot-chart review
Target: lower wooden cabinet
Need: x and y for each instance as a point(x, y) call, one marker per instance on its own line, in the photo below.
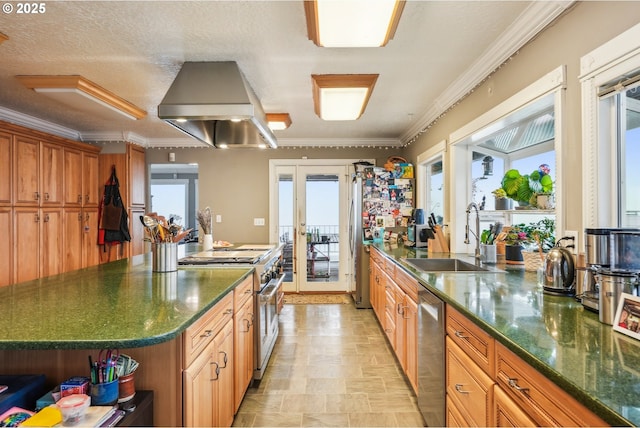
point(507, 412)
point(81, 238)
point(6, 245)
point(208, 381)
point(243, 340)
point(468, 387)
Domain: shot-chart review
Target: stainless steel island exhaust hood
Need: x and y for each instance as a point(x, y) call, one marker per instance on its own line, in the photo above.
point(213, 103)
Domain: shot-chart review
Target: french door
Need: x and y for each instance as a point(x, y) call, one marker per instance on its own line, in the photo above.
point(309, 208)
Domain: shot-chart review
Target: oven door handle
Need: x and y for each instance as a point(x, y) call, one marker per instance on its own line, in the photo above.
point(271, 288)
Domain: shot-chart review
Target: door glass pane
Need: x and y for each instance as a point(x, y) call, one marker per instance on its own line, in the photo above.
point(285, 222)
point(323, 226)
point(436, 189)
point(629, 155)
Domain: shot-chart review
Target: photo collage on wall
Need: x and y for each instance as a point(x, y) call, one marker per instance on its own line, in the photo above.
point(387, 200)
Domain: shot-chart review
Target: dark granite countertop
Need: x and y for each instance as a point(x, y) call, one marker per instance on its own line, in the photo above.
point(555, 334)
point(121, 304)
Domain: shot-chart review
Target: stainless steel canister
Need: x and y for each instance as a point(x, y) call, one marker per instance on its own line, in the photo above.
point(612, 285)
point(165, 257)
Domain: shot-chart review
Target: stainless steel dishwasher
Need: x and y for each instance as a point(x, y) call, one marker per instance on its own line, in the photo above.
point(431, 371)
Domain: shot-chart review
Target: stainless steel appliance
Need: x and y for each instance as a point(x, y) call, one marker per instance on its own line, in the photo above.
point(380, 200)
point(431, 356)
point(611, 286)
point(266, 259)
point(559, 272)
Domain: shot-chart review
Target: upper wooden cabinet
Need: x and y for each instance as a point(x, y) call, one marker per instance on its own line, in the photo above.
point(6, 168)
point(81, 178)
point(137, 175)
point(26, 177)
point(52, 177)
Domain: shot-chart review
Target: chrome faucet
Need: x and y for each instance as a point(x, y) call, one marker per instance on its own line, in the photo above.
point(476, 234)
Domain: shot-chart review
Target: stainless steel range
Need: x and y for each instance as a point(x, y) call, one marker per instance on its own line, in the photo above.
point(266, 259)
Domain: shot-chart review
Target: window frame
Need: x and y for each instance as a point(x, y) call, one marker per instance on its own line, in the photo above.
point(609, 61)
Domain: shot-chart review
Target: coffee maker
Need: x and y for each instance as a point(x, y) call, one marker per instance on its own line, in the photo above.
point(596, 259)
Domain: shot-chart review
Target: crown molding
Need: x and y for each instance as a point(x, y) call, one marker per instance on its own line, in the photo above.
point(38, 124)
point(531, 22)
point(339, 142)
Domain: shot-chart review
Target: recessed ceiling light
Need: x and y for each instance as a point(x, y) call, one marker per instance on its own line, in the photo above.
point(342, 96)
point(278, 121)
point(352, 23)
point(82, 94)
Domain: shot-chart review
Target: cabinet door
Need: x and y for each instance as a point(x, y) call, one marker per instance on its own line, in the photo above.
point(73, 239)
point(198, 388)
point(411, 320)
point(137, 231)
point(52, 174)
point(52, 242)
point(26, 238)
point(137, 176)
point(6, 246)
point(224, 396)
point(90, 248)
point(6, 168)
point(90, 186)
point(72, 177)
point(401, 330)
point(507, 412)
point(243, 351)
point(26, 171)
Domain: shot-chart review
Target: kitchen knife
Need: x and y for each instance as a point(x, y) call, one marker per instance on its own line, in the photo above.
point(433, 219)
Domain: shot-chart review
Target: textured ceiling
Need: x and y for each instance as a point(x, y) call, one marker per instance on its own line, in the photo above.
point(135, 49)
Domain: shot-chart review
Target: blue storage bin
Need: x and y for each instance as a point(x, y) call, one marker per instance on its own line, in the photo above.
point(23, 391)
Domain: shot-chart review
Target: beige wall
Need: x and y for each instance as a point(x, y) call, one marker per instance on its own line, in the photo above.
point(234, 183)
point(580, 30)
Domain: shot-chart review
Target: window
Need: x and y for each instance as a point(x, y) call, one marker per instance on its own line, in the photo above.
point(611, 135)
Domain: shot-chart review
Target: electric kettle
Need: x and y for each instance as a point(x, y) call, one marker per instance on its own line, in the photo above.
point(559, 272)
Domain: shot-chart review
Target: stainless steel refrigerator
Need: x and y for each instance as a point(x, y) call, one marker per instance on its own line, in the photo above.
point(381, 206)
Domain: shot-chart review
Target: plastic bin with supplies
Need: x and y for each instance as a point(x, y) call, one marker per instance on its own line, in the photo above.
point(23, 391)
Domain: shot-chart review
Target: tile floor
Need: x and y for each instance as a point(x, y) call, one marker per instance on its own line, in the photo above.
point(330, 367)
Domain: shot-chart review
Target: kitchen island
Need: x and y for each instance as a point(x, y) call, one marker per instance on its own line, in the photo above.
point(555, 335)
point(51, 325)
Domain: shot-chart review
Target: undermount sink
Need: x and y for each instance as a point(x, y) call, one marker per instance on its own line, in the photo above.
point(444, 265)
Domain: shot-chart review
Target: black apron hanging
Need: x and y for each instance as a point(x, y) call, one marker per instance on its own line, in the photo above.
point(113, 219)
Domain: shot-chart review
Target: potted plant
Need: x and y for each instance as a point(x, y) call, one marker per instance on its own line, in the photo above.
point(502, 201)
point(515, 237)
point(541, 238)
point(525, 188)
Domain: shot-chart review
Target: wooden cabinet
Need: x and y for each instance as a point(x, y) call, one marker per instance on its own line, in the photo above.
point(507, 413)
point(26, 239)
point(52, 176)
point(243, 341)
point(137, 231)
point(26, 177)
point(6, 246)
point(469, 388)
point(472, 339)
point(51, 254)
point(81, 178)
point(542, 400)
point(137, 176)
point(208, 379)
point(81, 235)
point(394, 298)
point(6, 168)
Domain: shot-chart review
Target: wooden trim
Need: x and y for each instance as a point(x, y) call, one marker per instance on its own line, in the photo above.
point(321, 81)
point(50, 138)
point(88, 87)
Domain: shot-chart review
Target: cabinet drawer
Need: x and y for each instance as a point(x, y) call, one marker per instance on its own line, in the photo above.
point(472, 339)
point(390, 267)
point(375, 255)
point(545, 402)
point(199, 334)
point(507, 412)
point(243, 291)
point(468, 386)
point(407, 283)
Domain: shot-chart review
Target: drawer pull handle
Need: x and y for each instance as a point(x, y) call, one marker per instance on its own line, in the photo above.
point(248, 291)
point(248, 325)
point(217, 371)
point(224, 359)
point(513, 383)
point(458, 387)
point(461, 335)
point(207, 333)
point(228, 311)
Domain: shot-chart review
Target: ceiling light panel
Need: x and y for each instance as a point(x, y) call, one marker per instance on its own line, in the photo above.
point(278, 121)
point(81, 94)
point(342, 96)
point(352, 23)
